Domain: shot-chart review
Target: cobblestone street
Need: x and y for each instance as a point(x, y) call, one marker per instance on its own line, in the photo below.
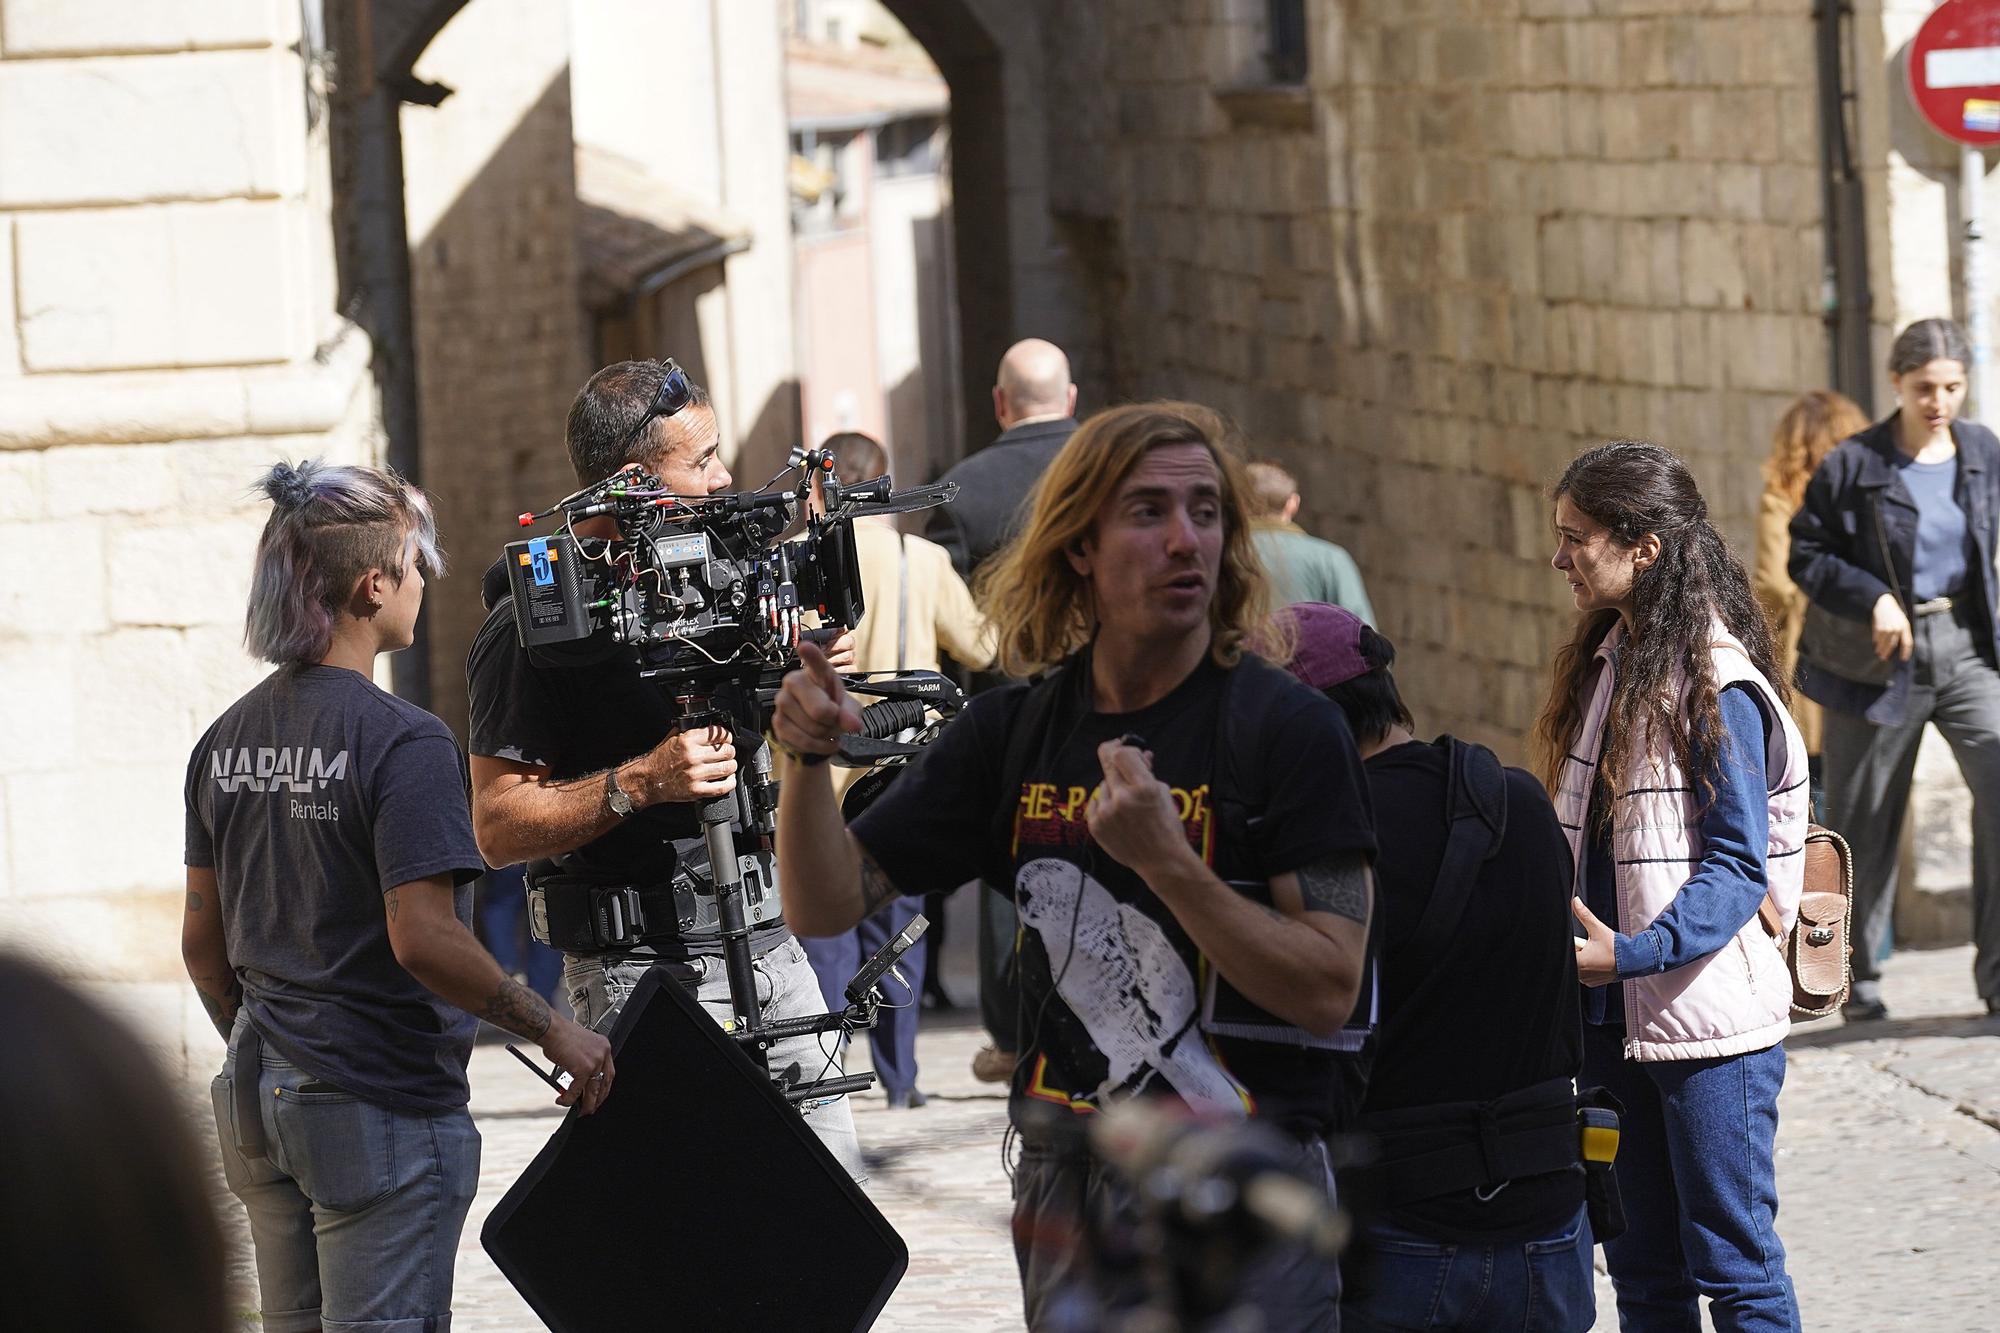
point(1889, 1171)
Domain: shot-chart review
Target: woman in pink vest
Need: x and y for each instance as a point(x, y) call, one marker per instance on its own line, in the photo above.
point(1680, 780)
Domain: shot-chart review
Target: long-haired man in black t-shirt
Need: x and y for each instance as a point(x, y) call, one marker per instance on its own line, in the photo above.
point(1194, 906)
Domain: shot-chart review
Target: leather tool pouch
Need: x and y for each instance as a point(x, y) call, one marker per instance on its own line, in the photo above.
point(1818, 949)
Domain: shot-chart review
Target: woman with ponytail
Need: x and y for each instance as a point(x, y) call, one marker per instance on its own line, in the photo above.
point(329, 866)
point(1680, 780)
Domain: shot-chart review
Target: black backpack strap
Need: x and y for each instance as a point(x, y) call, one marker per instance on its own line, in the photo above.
point(1230, 793)
point(1475, 808)
point(1224, 796)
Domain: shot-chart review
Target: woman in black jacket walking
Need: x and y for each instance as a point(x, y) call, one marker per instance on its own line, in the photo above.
point(1894, 548)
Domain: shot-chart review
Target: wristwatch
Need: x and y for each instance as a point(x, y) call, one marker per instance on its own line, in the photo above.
point(621, 804)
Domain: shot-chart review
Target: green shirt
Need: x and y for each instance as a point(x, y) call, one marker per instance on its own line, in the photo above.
point(1303, 568)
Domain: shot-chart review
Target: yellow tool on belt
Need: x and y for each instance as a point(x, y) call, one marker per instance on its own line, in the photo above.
point(1597, 1133)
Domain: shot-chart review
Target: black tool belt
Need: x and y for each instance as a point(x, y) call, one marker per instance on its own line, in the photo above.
point(1426, 1151)
point(581, 916)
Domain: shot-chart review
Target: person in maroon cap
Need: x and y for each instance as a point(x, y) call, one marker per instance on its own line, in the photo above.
point(1479, 1025)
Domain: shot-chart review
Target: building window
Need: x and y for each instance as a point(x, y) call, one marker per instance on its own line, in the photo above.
point(1285, 41)
point(908, 147)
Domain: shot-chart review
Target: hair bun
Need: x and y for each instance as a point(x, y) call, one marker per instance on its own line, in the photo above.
point(290, 487)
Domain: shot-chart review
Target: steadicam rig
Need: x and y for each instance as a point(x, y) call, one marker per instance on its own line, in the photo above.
point(711, 605)
point(700, 586)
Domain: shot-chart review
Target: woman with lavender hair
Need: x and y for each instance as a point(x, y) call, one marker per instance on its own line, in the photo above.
point(329, 862)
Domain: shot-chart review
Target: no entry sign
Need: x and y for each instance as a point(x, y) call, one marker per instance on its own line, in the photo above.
point(1955, 71)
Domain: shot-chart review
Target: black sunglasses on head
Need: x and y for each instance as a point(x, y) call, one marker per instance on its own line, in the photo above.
point(676, 392)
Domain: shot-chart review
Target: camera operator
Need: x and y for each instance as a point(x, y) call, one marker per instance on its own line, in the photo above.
point(1194, 898)
point(582, 770)
point(328, 925)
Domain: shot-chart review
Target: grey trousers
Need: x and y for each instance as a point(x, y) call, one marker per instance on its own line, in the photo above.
point(1868, 772)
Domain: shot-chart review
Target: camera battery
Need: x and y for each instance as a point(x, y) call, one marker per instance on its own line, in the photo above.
point(545, 575)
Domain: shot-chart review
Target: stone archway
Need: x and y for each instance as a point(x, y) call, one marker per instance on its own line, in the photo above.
point(975, 66)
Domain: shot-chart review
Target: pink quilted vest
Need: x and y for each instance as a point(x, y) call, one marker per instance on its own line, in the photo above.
point(1739, 998)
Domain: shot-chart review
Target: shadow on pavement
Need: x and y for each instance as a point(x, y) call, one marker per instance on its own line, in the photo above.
point(1895, 1029)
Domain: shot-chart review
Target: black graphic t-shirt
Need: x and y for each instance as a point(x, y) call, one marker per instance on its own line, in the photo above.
point(1114, 992)
point(312, 796)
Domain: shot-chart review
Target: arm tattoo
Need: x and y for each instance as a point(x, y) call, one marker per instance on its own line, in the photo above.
point(194, 901)
point(1339, 885)
point(876, 890)
point(391, 901)
point(221, 997)
point(518, 1010)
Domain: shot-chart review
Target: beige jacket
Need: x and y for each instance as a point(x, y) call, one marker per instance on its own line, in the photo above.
point(1784, 604)
point(909, 582)
point(909, 591)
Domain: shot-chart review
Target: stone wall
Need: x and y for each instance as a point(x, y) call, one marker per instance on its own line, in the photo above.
point(167, 330)
point(1486, 236)
point(491, 205)
point(716, 132)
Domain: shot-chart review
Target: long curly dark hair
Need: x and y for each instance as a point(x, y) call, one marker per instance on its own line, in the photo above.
point(1634, 488)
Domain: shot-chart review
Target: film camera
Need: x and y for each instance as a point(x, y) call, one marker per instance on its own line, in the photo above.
point(709, 597)
point(698, 585)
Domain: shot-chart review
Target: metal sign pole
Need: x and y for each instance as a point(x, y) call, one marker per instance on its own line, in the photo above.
point(1971, 181)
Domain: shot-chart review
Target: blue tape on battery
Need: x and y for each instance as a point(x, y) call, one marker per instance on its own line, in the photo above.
point(544, 567)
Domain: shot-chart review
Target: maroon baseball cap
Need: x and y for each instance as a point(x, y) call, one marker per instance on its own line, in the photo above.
point(1327, 644)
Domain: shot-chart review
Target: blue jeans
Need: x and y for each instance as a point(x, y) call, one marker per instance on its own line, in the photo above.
point(1699, 1182)
point(835, 960)
point(1397, 1279)
point(786, 988)
point(355, 1209)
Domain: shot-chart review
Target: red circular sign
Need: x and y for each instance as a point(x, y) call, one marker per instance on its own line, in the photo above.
point(1955, 71)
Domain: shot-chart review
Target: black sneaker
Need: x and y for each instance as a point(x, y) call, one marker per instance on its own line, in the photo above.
point(1864, 1011)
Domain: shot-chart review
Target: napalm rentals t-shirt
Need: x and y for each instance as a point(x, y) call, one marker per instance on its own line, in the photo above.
point(1116, 998)
point(311, 797)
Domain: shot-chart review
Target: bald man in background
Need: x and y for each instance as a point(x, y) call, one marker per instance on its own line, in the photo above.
point(1035, 404)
